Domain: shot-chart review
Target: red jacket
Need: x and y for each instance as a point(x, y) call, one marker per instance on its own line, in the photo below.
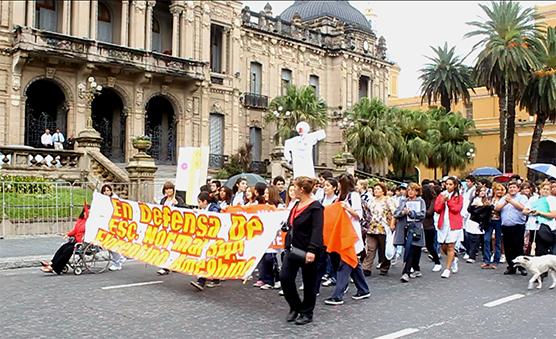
point(78, 231)
point(454, 209)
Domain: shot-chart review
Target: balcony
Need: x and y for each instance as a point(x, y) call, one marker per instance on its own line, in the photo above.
point(259, 167)
point(55, 45)
point(253, 100)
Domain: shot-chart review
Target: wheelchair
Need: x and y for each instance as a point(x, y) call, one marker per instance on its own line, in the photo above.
point(88, 257)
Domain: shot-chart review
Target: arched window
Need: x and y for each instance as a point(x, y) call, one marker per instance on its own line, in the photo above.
point(104, 31)
point(46, 16)
point(156, 42)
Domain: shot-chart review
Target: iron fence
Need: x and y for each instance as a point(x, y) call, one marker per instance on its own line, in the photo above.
point(45, 207)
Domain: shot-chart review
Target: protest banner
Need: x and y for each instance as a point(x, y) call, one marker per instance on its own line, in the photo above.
point(191, 172)
point(193, 242)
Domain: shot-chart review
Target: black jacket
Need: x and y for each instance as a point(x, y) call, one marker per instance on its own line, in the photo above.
point(180, 203)
point(307, 229)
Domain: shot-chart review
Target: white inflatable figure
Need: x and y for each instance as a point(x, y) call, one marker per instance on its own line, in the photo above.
point(299, 150)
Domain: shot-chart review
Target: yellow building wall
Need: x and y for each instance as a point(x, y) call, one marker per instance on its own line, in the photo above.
point(549, 14)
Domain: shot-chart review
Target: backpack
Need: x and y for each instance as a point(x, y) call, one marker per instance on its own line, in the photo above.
point(365, 221)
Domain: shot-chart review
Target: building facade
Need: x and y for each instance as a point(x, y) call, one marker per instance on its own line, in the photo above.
point(187, 73)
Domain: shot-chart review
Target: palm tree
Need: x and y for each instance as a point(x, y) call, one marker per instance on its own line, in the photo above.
point(298, 104)
point(539, 97)
point(509, 40)
point(450, 141)
point(446, 78)
point(414, 147)
point(372, 136)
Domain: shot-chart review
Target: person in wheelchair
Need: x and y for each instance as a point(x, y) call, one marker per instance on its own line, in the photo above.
point(64, 253)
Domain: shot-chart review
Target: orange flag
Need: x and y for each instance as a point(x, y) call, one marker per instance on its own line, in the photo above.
point(338, 233)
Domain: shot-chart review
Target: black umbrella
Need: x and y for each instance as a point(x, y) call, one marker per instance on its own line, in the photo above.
point(252, 179)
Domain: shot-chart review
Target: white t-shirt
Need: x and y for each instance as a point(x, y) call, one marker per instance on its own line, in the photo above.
point(355, 199)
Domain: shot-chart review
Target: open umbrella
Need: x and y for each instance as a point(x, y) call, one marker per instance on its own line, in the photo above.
point(547, 169)
point(486, 172)
point(252, 179)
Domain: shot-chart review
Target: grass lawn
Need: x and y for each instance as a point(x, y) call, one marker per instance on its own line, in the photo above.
point(61, 203)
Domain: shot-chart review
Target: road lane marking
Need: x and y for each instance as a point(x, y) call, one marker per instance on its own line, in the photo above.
point(504, 300)
point(399, 334)
point(132, 285)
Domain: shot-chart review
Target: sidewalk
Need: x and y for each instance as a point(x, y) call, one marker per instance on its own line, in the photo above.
point(27, 251)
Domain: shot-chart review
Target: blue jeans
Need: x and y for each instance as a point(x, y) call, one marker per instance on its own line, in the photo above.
point(342, 280)
point(496, 226)
point(266, 268)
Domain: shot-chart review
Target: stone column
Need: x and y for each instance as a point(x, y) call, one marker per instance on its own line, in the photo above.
point(277, 159)
point(137, 24)
point(93, 20)
point(188, 37)
point(224, 56)
point(124, 24)
point(183, 30)
point(149, 25)
point(30, 21)
point(141, 169)
point(66, 16)
point(176, 11)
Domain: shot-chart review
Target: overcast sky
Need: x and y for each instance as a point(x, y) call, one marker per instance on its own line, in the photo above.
point(410, 27)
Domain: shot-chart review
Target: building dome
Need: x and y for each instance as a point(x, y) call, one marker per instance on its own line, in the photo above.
point(341, 10)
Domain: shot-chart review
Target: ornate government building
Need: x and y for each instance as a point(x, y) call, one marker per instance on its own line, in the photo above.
point(187, 73)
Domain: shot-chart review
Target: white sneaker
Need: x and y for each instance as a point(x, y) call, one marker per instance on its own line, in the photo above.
point(470, 261)
point(437, 268)
point(445, 274)
point(277, 285)
point(415, 274)
point(114, 268)
point(281, 292)
point(301, 288)
point(465, 256)
point(404, 278)
point(503, 258)
point(455, 265)
point(378, 266)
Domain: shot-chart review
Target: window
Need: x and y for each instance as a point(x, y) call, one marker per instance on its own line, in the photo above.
point(314, 82)
point(286, 80)
point(469, 110)
point(156, 42)
point(104, 30)
point(216, 137)
point(216, 48)
point(363, 87)
point(255, 138)
point(255, 84)
point(46, 16)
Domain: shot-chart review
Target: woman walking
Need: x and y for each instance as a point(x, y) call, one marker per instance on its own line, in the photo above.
point(351, 202)
point(382, 209)
point(429, 195)
point(409, 230)
point(303, 246)
point(450, 223)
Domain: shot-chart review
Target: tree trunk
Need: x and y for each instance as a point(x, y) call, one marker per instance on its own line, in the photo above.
point(502, 122)
point(445, 102)
point(511, 133)
point(535, 142)
point(435, 174)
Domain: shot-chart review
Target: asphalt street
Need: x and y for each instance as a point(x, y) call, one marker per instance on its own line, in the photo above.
point(35, 305)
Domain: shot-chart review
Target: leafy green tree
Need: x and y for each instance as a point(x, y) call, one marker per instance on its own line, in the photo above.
point(450, 141)
point(413, 146)
point(509, 40)
point(298, 104)
point(445, 78)
point(539, 97)
point(372, 137)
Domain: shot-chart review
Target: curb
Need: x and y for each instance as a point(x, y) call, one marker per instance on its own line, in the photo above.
point(21, 262)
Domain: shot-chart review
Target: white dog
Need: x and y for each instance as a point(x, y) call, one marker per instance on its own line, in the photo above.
point(537, 266)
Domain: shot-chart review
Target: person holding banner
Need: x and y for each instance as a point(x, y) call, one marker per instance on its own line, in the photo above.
point(303, 247)
point(117, 260)
point(170, 199)
point(239, 191)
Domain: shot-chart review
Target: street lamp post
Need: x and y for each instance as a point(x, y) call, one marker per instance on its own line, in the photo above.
point(345, 124)
point(89, 137)
point(281, 117)
point(470, 154)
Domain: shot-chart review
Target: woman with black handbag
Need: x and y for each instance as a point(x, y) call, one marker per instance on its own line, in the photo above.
point(303, 247)
point(480, 211)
